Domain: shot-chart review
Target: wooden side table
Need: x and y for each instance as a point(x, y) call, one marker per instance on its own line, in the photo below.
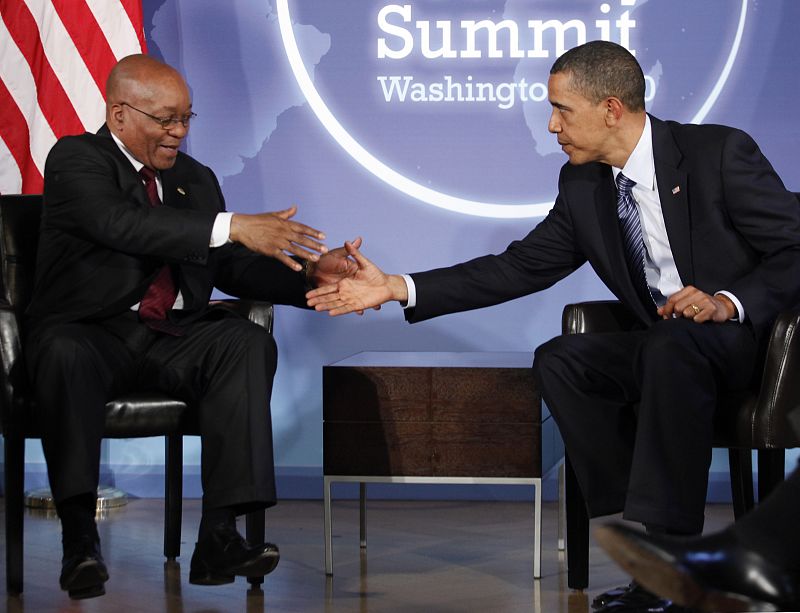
point(412, 417)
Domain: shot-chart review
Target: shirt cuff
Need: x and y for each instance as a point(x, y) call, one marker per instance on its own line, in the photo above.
point(412, 292)
point(737, 304)
point(221, 232)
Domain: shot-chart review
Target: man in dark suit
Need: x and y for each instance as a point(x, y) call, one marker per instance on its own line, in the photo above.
point(134, 237)
point(691, 228)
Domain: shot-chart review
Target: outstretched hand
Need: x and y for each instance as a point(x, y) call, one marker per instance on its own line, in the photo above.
point(276, 236)
point(333, 266)
point(369, 288)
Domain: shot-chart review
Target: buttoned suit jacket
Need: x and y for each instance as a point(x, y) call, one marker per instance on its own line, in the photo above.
point(101, 243)
point(731, 223)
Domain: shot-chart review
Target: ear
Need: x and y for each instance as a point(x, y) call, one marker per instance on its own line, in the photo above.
point(614, 110)
point(116, 116)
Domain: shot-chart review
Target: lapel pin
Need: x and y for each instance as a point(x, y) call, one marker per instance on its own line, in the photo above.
point(675, 189)
point(183, 193)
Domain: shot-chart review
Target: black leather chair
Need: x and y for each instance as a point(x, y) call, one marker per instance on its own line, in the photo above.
point(755, 419)
point(130, 416)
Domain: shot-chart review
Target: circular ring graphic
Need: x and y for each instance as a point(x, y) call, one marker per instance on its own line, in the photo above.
point(414, 189)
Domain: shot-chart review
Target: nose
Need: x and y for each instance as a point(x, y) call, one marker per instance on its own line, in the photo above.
point(553, 126)
point(178, 130)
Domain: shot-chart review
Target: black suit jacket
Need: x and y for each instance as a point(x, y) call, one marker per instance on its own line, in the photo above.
point(732, 225)
point(101, 243)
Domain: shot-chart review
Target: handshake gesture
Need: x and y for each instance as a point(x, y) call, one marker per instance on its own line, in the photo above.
point(278, 236)
point(346, 281)
point(368, 287)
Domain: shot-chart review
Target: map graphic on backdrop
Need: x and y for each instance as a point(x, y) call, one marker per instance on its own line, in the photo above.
point(407, 89)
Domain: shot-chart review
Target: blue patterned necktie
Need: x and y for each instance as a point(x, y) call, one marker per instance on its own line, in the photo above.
point(631, 228)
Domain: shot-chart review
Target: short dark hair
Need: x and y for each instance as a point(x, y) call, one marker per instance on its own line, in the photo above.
point(600, 69)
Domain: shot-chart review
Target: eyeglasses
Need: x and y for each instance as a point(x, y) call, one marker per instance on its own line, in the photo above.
point(166, 123)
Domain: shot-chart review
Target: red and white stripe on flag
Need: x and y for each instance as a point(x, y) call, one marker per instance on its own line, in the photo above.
point(55, 56)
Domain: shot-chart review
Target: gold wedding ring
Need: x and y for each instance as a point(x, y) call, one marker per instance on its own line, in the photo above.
point(695, 308)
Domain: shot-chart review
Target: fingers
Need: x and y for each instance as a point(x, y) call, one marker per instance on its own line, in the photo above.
point(286, 213)
point(335, 300)
point(285, 259)
point(304, 247)
point(298, 239)
point(299, 235)
point(301, 229)
point(318, 295)
point(352, 250)
point(691, 303)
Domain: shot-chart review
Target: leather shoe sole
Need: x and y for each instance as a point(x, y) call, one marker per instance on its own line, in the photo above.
point(257, 566)
point(669, 580)
point(85, 580)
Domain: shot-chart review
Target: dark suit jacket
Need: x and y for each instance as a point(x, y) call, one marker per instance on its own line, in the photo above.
point(732, 225)
point(101, 243)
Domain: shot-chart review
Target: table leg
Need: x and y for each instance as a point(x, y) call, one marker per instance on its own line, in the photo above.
point(537, 529)
point(362, 514)
point(327, 510)
point(562, 508)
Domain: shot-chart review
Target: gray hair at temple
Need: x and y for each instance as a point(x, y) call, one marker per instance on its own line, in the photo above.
point(601, 69)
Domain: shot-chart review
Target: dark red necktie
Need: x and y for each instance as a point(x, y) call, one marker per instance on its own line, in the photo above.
point(160, 296)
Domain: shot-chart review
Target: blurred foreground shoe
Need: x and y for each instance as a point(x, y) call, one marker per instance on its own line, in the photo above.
point(712, 573)
point(636, 599)
point(83, 571)
point(222, 554)
point(616, 593)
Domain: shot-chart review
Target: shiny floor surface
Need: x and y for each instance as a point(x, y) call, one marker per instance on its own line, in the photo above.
point(432, 557)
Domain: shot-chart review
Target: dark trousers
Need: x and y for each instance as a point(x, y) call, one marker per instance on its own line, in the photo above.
point(223, 367)
point(636, 412)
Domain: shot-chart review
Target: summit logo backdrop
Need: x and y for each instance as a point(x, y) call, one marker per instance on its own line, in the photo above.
point(423, 85)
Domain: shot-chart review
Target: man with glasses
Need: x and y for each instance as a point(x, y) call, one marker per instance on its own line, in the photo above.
point(134, 238)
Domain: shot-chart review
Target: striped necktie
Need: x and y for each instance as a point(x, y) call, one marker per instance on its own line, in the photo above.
point(631, 228)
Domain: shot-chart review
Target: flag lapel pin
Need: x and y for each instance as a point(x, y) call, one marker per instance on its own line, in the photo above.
point(676, 189)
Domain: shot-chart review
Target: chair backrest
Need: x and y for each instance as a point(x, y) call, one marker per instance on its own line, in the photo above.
point(19, 237)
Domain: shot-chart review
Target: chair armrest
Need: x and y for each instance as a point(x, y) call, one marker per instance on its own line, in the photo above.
point(261, 313)
point(597, 316)
point(780, 385)
point(12, 368)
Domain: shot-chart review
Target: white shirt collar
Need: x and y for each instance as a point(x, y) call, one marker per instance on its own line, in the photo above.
point(137, 165)
point(641, 166)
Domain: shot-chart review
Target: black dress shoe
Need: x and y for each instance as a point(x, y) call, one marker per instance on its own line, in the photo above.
point(222, 554)
point(636, 599)
point(604, 598)
point(83, 571)
point(713, 573)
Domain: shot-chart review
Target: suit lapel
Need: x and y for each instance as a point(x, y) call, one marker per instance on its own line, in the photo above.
point(129, 180)
point(673, 191)
point(176, 194)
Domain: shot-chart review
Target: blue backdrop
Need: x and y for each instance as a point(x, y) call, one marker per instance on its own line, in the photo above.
point(421, 126)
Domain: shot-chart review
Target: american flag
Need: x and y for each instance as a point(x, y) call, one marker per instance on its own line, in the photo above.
point(55, 56)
